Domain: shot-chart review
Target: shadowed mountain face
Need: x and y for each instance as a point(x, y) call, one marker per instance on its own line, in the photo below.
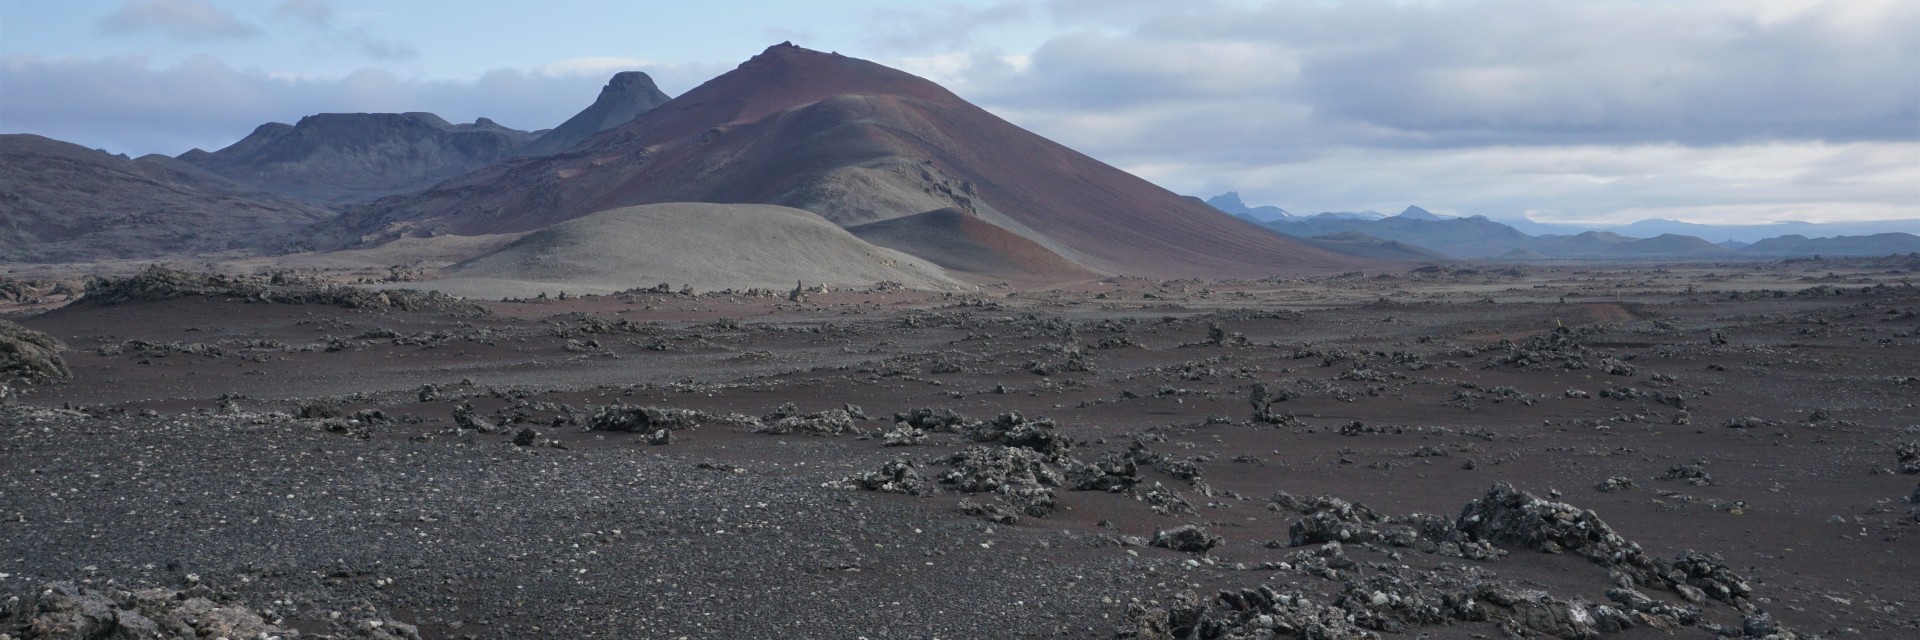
point(62, 202)
point(357, 157)
point(857, 143)
point(626, 96)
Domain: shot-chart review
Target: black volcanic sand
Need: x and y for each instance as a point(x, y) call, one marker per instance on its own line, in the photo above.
point(177, 449)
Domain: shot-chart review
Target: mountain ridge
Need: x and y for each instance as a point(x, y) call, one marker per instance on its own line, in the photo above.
point(65, 203)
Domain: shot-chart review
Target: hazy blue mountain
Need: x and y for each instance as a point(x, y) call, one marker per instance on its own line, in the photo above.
point(1747, 233)
point(1878, 244)
point(1480, 237)
point(1355, 243)
point(1348, 215)
point(1230, 203)
point(1417, 213)
point(1475, 237)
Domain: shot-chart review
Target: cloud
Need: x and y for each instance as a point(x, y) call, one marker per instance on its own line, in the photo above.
point(1371, 103)
point(1812, 181)
point(129, 105)
point(320, 14)
point(597, 66)
point(1497, 72)
point(378, 48)
point(184, 19)
point(938, 28)
point(315, 12)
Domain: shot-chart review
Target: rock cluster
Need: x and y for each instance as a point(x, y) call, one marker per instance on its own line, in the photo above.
point(31, 356)
point(65, 610)
point(1399, 600)
point(1332, 520)
point(789, 419)
point(1562, 347)
point(1614, 484)
point(160, 283)
point(1909, 456)
point(1024, 478)
point(1187, 538)
point(1023, 462)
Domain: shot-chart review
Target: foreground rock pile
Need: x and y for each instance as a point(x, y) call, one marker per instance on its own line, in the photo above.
point(65, 611)
point(1021, 462)
point(160, 283)
point(30, 356)
point(1399, 599)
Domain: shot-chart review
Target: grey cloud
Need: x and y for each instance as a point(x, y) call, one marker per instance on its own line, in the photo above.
point(127, 105)
point(1716, 109)
point(379, 48)
point(184, 19)
point(941, 28)
point(1500, 72)
point(320, 14)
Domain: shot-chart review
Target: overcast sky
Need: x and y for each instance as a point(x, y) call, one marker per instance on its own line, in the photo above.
point(1603, 110)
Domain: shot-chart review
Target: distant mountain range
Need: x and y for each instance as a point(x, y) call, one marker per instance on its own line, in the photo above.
point(343, 158)
point(1477, 237)
point(61, 202)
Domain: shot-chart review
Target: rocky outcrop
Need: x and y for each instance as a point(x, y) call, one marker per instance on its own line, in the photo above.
point(66, 610)
point(160, 283)
point(30, 356)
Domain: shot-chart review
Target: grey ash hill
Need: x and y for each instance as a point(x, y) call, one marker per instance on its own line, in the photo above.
point(61, 202)
point(352, 158)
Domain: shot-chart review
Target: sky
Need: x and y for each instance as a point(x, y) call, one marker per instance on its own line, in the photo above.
point(1595, 111)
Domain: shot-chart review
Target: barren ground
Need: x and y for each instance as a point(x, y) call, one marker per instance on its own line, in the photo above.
point(177, 449)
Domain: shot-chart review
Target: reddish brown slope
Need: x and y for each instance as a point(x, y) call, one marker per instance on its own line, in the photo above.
point(856, 142)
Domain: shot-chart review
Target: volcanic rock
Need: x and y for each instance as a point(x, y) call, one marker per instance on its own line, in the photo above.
point(31, 356)
point(1187, 538)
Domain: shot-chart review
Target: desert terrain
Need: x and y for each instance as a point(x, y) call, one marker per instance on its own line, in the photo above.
point(819, 348)
point(1646, 451)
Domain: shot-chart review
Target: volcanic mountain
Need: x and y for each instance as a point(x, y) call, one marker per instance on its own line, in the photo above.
point(61, 202)
point(856, 143)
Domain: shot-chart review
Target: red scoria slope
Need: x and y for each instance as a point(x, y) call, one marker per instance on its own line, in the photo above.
point(856, 142)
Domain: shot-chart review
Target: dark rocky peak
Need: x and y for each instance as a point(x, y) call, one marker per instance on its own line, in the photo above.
point(627, 95)
point(630, 82)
